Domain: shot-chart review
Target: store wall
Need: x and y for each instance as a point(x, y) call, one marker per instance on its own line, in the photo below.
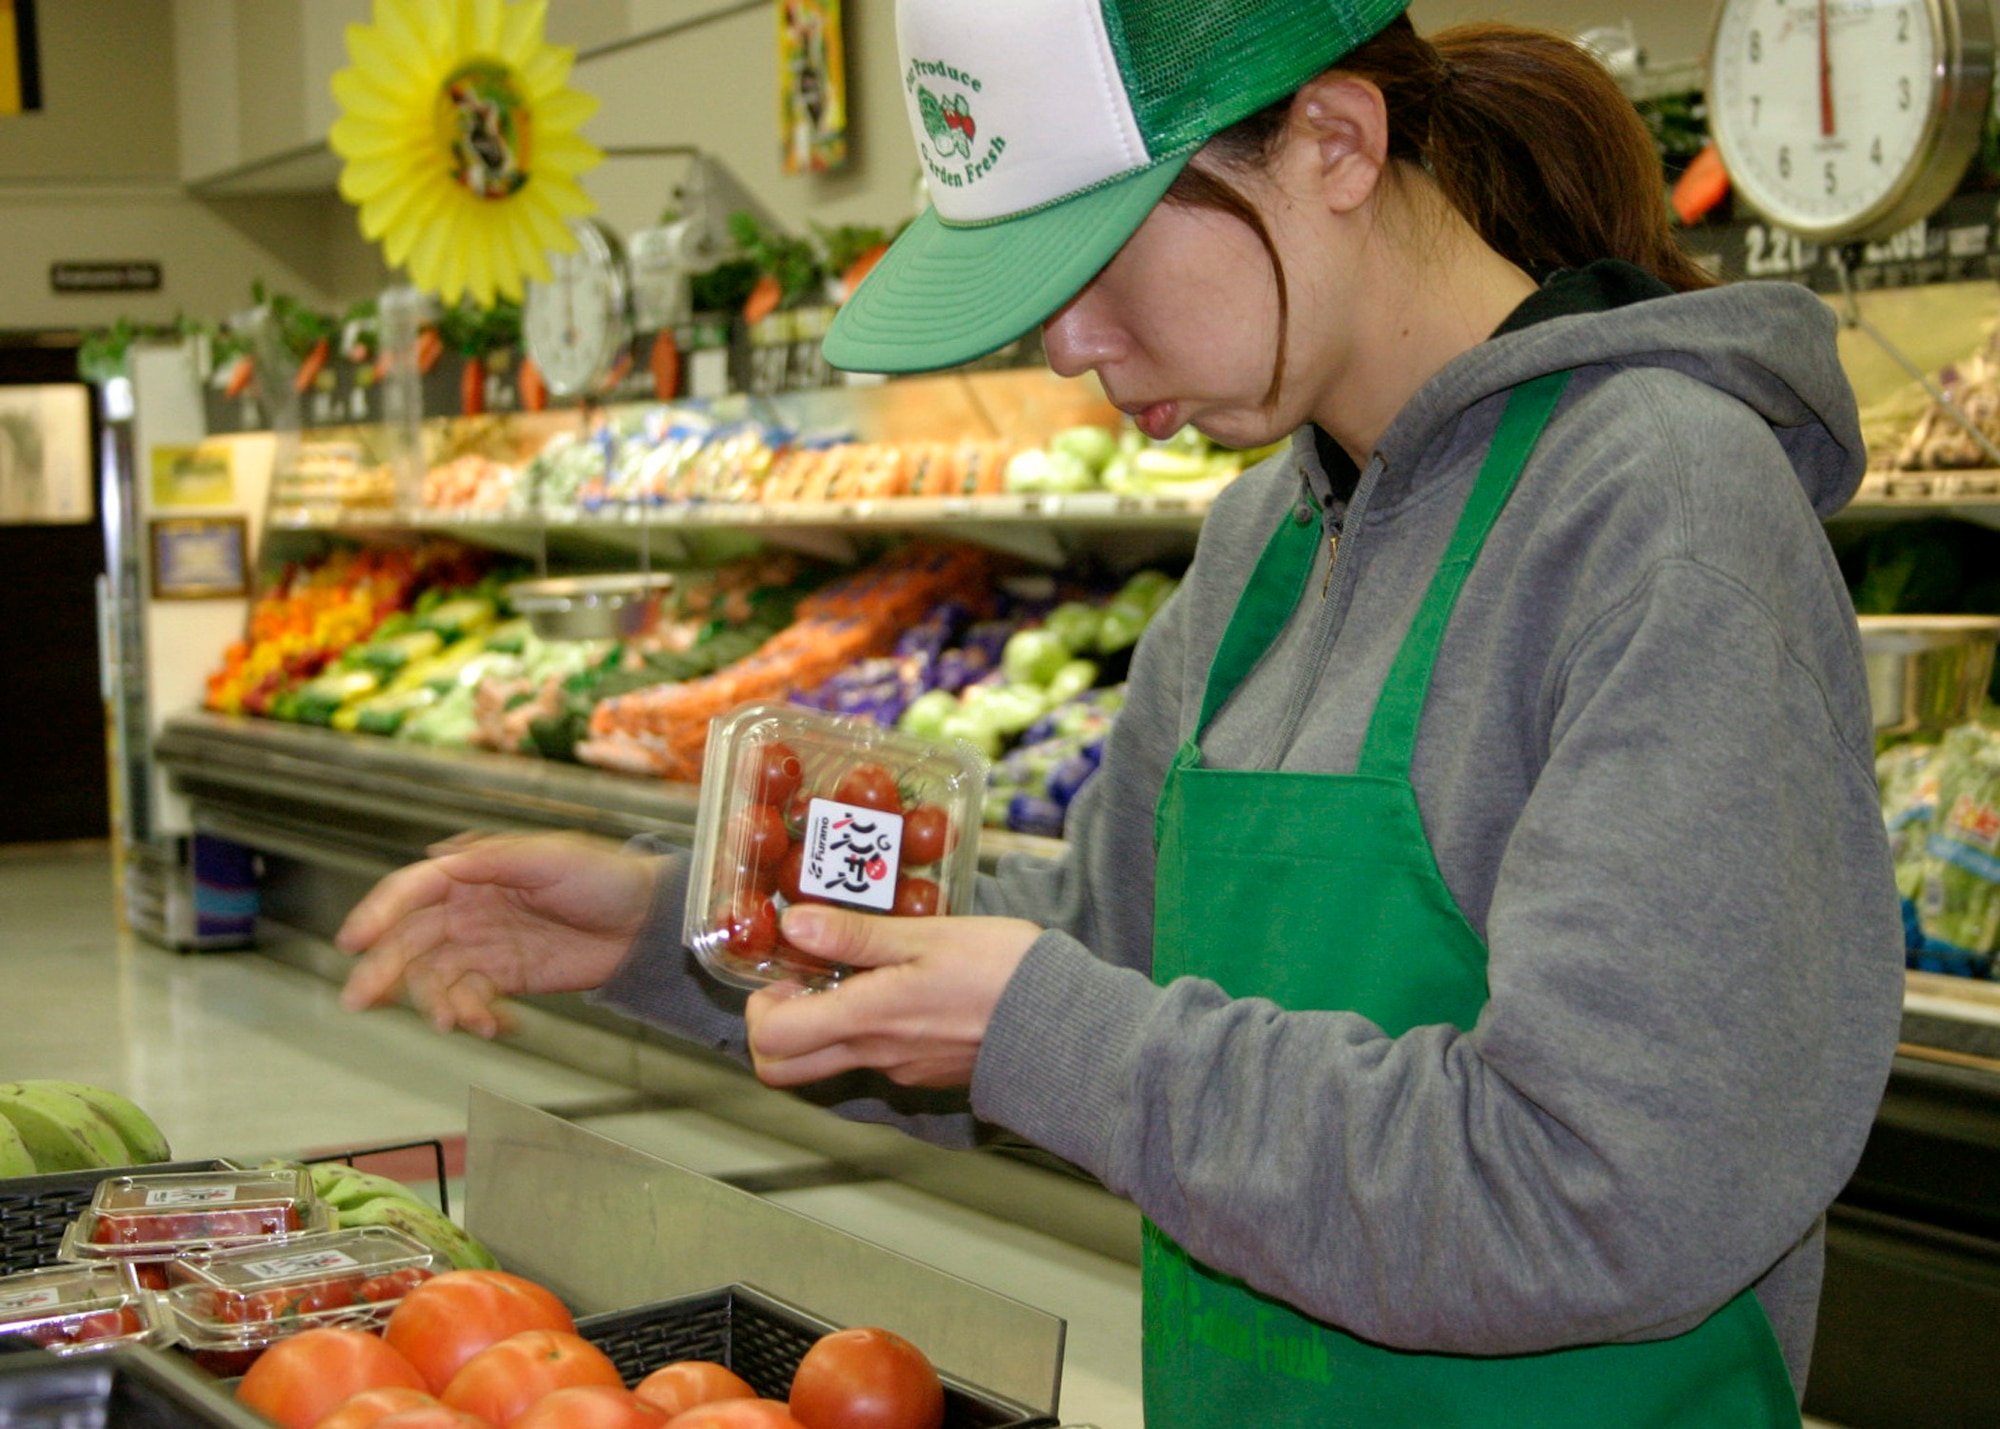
point(95, 176)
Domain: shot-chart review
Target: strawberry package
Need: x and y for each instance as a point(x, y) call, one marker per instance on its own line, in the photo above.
point(801, 806)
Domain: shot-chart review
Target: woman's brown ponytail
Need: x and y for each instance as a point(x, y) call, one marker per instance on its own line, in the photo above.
point(1526, 134)
point(1529, 138)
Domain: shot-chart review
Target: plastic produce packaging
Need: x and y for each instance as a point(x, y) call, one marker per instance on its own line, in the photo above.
point(797, 805)
point(148, 1220)
point(73, 1309)
point(228, 1306)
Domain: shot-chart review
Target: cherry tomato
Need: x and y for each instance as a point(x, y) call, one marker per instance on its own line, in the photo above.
point(788, 874)
point(503, 1380)
point(750, 877)
point(737, 1414)
point(449, 1318)
point(869, 786)
point(866, 1379)
point(772, 771)
point(259, 1307)
point(151, 1274)
point(686, 1383)
point(327, 1295)
point(915, 898)
point(302, 1378)
point(758, 836)
point(103, 1325)
point(377, 1289)
point(591, 1406)
point(365, 1408)
point(750, 926)
point(796, 809)
point(926, 835)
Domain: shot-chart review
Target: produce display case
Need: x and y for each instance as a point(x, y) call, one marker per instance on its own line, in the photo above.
point(609, 1228)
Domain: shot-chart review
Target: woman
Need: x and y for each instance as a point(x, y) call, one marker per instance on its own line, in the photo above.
point(1477, 955)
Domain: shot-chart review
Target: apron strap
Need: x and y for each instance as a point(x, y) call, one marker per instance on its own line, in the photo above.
point(1266, 604)
point(1392, 731)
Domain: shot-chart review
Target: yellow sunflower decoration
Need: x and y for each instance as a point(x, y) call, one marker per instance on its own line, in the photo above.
point(460, 142)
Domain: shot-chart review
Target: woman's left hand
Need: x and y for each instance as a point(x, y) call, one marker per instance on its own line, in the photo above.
point(916, 1009)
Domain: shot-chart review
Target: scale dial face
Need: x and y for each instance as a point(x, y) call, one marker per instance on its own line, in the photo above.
point(1848, 119)
point(576, 324)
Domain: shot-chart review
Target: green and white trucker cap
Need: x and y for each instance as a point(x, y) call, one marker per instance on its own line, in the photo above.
point(1048, 129)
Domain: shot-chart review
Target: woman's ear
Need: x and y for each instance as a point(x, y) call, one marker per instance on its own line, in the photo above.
point(1346, 121)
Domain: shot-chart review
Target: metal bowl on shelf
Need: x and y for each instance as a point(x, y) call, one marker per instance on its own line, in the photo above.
point(590, 607)
point(1927, 673)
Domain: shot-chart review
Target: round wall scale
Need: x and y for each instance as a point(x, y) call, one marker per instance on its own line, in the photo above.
point(1846, 120)
point(575, 325)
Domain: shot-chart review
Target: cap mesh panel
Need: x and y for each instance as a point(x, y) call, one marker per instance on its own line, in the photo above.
point(1195, 66)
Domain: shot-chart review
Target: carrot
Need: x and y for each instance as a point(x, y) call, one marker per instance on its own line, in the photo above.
point(430, 347)
point(618, 370)
point(240, 377)
point(1701, 186)
point(860, 268)
point(534, 391)
point(311, 367)
point(472, 387)
point(666, 365)
point(763, 300)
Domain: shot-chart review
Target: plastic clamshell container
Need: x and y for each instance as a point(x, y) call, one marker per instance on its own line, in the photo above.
point(831, 809)
point(77, 1309)
point(166, 1217)
point(248, 1297)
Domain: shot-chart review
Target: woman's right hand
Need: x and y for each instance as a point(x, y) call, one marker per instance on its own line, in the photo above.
point(486, 915)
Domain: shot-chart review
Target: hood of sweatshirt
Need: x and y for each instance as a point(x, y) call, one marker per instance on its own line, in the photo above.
point(1769, 345)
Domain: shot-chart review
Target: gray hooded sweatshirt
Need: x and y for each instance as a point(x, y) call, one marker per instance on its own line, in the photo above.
point(1646, 769)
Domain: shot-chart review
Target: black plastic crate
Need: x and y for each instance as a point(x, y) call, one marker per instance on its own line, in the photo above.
point(36, 1210)
point(762, 1339)
point(129, 1388)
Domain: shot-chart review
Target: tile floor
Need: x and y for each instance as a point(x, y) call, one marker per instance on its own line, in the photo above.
point(237, 1054)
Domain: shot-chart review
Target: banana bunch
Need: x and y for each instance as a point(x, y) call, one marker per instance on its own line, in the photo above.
point(72, 1126)
point(361, 1198)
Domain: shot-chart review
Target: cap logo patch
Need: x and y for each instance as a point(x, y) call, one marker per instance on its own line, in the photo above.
point(954, 153)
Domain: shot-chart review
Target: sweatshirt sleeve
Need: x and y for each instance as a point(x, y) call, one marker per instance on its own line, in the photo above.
point(1694, 975)
point(663, 985)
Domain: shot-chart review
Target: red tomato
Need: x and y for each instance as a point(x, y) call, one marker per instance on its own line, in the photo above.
point(926, 835)
point(750, 926)
point(365, 1408)
point(591, 1406)
point(449, 1318)
point(866, 1379)
point(915, 898)
point(303, 1377)
point(758, 836)
point(686, 1383)
point(104, 1325)
point(869, 786)
point(772, 771)
point(737, 1414)
point(503, 1380)
point(431, 1416)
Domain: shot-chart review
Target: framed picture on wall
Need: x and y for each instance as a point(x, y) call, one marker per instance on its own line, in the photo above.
point(45, 463)
point(200, 557)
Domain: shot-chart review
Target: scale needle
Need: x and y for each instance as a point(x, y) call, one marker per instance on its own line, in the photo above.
point(1825, 79)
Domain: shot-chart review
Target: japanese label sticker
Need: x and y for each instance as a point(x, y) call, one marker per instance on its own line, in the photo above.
point(45, 1298)
point(851, 854)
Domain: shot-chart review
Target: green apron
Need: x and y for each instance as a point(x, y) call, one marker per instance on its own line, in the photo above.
point(1254, 868)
